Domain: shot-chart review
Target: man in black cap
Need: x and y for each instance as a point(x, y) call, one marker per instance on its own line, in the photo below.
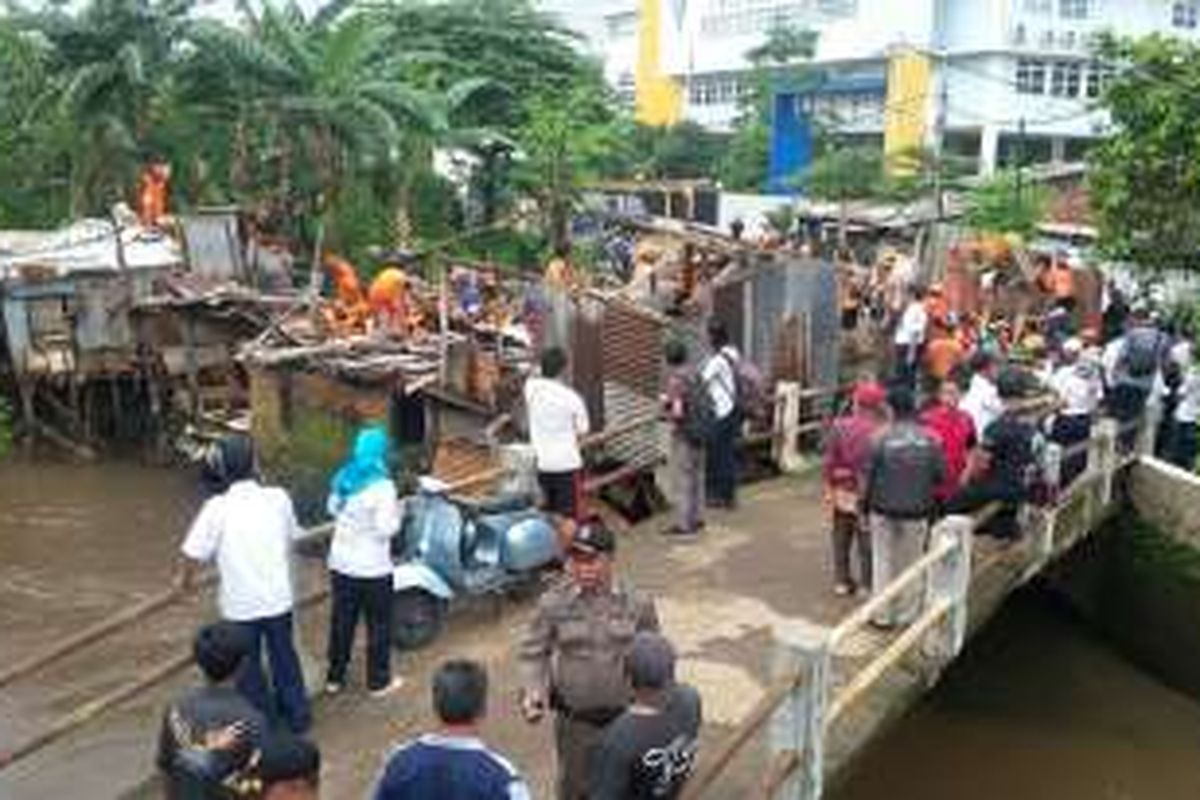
point(573, 654)
point(650, 750)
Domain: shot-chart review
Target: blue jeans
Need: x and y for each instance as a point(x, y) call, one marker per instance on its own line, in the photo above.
point(288, 701)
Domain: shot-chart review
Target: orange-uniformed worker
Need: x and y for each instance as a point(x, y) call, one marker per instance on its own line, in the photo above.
point(152, 193)
point(389, 300)
point(572, 655)
point(348, 312)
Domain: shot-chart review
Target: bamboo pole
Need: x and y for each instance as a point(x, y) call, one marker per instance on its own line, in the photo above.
point(779, 770)
point(98, 631)
point(707, 774)
point(867, 677)
point(85, 713)
point(866, 611)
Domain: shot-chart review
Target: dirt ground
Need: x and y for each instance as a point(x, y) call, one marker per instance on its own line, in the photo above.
point(755, 569)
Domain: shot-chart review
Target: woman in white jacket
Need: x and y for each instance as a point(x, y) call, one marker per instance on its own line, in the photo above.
point(366, 510)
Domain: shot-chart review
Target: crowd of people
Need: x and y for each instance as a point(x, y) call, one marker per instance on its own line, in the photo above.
point(946, 432)
point(593, 656)
point(964, 418)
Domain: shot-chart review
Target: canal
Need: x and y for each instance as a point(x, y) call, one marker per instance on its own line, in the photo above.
point(1037, 708)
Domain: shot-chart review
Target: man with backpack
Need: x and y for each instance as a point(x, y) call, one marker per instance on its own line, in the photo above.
point(720, 374)
point(903, 470)
point(690, 414)
point(1132, 367)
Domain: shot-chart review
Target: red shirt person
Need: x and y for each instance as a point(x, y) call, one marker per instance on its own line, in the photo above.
point(846, 454)
point(955, 431)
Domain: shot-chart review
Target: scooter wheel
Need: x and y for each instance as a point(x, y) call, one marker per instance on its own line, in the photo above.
point(417, 618)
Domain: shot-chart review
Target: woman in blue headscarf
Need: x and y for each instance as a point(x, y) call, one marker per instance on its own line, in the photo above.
point(366, 511)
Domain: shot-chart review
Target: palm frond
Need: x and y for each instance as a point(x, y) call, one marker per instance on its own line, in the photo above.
point(132, 64)
point(287, 40)
point(422, 109)
point(464, 91)
point(85, 88)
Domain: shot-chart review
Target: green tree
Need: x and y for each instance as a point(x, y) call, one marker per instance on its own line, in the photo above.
point(1144, 178)
point(107, 82)
point(776, 63)
point(565, 144)
point(1003, 205)
point(685, 150)
point(844, 175)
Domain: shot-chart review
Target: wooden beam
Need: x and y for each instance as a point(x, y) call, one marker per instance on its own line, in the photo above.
point(709, 771)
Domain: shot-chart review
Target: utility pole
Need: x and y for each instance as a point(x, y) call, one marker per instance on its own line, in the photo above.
point(1020, 159)
point(939, 134)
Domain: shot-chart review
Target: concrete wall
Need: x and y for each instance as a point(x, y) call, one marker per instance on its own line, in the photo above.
point(1138, 580)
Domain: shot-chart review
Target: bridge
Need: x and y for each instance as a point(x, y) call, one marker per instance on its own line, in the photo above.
point(837, 685)
point(794, 679)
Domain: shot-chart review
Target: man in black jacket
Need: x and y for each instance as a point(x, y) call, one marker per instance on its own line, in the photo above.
point(905, 467)
point(212, 736)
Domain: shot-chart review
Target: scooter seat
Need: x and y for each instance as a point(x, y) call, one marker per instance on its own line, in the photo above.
point(505, 504)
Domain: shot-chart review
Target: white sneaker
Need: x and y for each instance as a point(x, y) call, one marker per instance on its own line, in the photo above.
point(396, 685)
point(332, 688)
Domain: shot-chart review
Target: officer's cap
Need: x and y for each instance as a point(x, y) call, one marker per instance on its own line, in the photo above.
point(593, 538)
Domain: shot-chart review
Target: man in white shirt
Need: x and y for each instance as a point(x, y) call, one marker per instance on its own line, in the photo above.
point(720, 375)
point(982, 400)
point(910, 337)
point(1080, 390)
point(248, 530)
point(1182, 446)
point(557, 420)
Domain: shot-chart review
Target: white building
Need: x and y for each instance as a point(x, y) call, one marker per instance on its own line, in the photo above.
point(608, 31)
point(1006, 74)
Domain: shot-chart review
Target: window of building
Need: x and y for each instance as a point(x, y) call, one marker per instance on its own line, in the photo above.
point(1066, 78)
point(1038, 6)
point(1073, 9)
point(1031, 76)
point(1074, 74)
point(1020, 34)
point(621, 26)
point(1185, 15)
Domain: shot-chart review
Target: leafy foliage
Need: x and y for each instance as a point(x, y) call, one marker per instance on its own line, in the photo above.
point(332, 115)
point(1004, 205)
point(1145, 178)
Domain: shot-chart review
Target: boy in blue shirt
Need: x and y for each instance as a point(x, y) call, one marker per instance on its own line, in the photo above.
point(454, 763)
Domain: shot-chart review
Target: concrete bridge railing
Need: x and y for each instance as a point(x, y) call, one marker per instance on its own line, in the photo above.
point(820, 687)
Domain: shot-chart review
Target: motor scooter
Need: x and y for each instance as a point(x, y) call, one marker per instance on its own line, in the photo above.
point(450, 547)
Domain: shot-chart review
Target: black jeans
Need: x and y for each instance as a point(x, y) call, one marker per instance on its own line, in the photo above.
point(720, 457)
point(352, 597)
point(1126, 403)
point(1069, 431)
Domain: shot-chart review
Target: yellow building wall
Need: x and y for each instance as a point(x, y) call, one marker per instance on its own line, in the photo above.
point(659, 98)
point(909, 91)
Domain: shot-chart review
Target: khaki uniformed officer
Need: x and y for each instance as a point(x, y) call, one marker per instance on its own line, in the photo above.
point(573, 654)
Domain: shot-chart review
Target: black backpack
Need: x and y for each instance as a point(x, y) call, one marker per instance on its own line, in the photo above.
point(1142, 353)
point(699, 413)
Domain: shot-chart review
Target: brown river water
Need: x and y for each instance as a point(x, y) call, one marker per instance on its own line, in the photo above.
point(1037, 708)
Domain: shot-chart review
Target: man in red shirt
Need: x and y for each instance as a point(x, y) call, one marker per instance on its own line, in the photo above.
point(954, 430)
point(846, 453)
